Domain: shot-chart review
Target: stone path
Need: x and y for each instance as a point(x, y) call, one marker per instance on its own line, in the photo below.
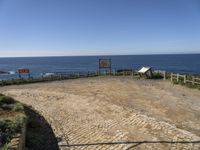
point(94, 124)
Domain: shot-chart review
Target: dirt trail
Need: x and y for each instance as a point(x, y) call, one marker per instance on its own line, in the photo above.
point(116, 113)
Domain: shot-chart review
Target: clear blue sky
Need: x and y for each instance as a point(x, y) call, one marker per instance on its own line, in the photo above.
point(95, 27)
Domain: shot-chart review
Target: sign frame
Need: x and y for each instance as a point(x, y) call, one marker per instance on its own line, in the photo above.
point(22, 71)
point(105, 63)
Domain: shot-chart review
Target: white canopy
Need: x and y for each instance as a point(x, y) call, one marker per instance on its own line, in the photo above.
point(144, 69)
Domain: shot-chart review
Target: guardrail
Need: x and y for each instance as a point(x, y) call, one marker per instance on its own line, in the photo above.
point(74, 75)
point(165, 75)
point(48, 78)
point(178, 77)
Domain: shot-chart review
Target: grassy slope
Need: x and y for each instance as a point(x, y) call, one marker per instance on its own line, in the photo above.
point(12, 118)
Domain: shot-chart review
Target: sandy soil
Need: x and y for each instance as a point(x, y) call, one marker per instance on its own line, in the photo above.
point(116, 112)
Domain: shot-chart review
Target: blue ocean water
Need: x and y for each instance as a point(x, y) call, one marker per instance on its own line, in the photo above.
point(179, 63)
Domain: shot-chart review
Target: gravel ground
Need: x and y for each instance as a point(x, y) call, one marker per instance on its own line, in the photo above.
point(116, 112)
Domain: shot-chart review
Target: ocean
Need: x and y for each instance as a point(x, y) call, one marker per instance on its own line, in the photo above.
point(178, 63)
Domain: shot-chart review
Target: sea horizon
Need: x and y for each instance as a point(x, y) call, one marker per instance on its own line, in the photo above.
point(102, 55)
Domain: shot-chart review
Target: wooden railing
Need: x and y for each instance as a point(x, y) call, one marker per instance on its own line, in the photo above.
point(178, 77)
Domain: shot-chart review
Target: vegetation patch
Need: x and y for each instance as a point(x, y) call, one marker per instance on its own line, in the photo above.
point(12, 119)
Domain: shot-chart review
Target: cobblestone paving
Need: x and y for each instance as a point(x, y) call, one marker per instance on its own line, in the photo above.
point(85, 123)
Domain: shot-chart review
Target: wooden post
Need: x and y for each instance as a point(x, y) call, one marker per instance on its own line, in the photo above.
point(185, 79)
point(177, 77)
point(171, 77)
point(192, 80)
point(164, 75)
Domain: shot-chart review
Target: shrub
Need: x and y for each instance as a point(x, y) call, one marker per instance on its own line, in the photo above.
point(8, 103)
point(12, 123)
point(17, 107)
point(11, 126)
point(6, 106)
point(6, 100)
point(6, 147)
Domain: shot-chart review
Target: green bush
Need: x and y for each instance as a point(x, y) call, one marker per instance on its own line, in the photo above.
point(17, 107)
point(8, 103)
point(6, 106)
point(6, 147)
point(6, 100)
point(10, 126)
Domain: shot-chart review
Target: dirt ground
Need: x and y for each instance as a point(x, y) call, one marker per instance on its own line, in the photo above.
point(116, 113)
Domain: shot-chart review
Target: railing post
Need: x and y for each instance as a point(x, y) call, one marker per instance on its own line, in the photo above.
point(164, 75)
point(171, 77)
point(185, 79)
point(177, 77)
point(192, 80)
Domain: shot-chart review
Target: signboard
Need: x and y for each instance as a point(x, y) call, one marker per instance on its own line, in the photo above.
point(23, 71)
point(104, 63)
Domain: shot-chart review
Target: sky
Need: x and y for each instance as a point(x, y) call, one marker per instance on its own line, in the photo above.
point(98, 27)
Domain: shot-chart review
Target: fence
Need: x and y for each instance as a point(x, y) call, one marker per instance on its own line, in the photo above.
point(185, 79)
point(74, 75)
point(54, 77)
point(177, 77)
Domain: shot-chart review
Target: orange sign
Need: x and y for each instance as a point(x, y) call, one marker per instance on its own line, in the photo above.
point(23, 71)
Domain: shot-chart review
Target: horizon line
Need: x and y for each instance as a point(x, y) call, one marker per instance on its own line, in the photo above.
point(99, 55)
